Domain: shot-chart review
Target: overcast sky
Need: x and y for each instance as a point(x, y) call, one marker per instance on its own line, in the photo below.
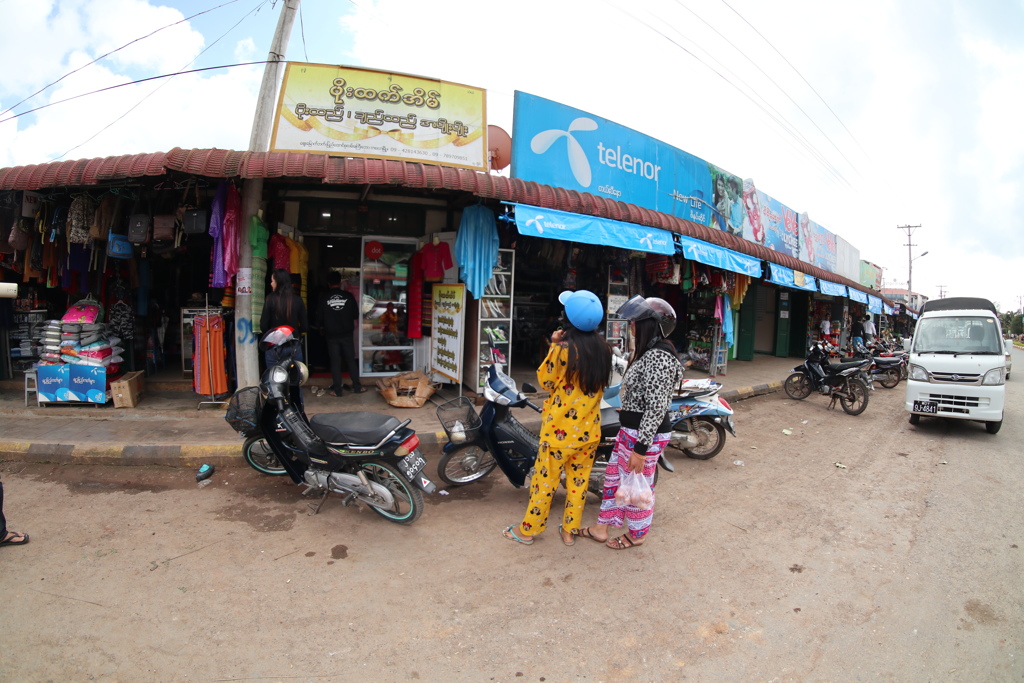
point(866, 115)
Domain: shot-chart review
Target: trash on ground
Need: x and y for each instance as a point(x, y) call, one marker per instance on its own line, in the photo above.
point(840, 465)
point(787, 431)
point(205, 472)
point(804, 422)
point(738, 463)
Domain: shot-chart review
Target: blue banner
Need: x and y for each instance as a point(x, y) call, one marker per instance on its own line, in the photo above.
point(719, 257)
point(858, 295)
point(787, 277)
point(831, 288)
point(887, 309)
point(874, 304)
point(574, 227)
point(560, 146)
point(769, 222)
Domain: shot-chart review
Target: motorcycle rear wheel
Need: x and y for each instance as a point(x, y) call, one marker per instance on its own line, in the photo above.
point(890, 379)
point(408, 505)
point(261, 458)
point(712, 439)
point(798, 386)
point(859, 401)
point(465, 464)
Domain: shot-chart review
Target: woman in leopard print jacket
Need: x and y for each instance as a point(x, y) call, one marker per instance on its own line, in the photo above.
point(653, 374)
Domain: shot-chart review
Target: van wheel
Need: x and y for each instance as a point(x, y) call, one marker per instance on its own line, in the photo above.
point(914, 418)
point(993, 427)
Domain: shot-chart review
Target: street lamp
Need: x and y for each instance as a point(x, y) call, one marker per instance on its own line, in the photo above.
point(910, 273)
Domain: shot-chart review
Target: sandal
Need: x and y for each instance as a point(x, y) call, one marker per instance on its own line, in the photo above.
point(623, 542)
point(585, 533)
point(511, 535)
point(358, 390)
point(12, 538)
point(572, 536)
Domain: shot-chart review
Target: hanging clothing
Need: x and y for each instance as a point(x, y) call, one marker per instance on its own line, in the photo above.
point(435, 259)
point(414, 312)
point(232, 231)
point(259, 290)
point(727, 323)
point(218, 275)
point(209, 374)
point(278, 254)
point(258, 237)
point(476, 248)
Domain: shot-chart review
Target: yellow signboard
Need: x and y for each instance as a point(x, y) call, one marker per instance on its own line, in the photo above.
point(344, 111)
point(447, 323)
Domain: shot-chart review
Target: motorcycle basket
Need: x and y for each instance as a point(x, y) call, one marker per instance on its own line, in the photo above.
point(459, 419)
point(244, 409)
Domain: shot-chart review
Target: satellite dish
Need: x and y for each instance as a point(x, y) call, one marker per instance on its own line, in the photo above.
point(499, 148)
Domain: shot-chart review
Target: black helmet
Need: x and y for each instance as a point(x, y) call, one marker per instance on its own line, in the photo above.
point(639, 308)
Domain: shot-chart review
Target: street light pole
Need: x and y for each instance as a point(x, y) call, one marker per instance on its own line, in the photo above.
point(909, 229)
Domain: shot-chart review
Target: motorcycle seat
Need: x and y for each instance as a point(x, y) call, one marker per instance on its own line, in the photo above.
point(361, 428)
point(609, 419)
point(846, 365)
point(883, 361)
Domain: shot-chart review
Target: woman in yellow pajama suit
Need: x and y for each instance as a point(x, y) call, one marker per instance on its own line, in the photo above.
point(575, 374)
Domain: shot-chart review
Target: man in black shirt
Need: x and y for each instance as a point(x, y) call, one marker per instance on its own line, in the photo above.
point(337, 312)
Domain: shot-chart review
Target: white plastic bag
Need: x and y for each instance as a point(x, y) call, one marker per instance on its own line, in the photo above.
point(634, 490)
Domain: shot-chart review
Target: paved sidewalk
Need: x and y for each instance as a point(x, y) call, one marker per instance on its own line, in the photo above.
point(166, 428)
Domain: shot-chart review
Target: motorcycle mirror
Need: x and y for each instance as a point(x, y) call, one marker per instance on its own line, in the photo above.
point(529, 388)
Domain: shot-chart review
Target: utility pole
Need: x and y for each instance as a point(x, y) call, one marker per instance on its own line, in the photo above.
point(246, 349)
point(910, 229)
point(942, 291)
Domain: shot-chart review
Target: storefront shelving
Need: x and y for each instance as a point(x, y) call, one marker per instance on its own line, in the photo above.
point(489, 324)
point(384, 345)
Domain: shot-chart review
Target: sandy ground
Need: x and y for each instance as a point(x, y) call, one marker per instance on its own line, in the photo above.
point(768, 563)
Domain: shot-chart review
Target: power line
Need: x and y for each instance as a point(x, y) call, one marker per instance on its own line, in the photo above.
point(798, 74)
point(104, 56)
point(302, 30)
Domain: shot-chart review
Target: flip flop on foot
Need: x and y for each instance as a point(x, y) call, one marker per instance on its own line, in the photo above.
point(359, 390)
point(511, 535)
point(572, 536)
point(14, 538)
point(586, 533)
point(623, 542)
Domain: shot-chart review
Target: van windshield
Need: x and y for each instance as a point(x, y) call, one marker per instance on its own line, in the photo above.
point(957, 334)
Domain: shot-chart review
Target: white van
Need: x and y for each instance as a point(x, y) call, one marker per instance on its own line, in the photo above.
point(957, 363)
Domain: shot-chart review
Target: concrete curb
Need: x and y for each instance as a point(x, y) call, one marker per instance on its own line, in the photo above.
point(218, 455)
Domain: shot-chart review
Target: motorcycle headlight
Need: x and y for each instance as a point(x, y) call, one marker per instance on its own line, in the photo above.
point(917, 373)
point(279, 375)
point(494, 397)
point(995, 377)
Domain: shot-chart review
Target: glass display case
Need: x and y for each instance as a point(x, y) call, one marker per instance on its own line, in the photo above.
point(617, 329)
point(489, 324)
point(384, 344)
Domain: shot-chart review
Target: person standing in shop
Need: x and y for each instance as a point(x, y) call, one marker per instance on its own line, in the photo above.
point(653, 373)
point(857, 333)
point(575, 374)
point(283, 307)
point(337, 314)
point(869, 328)
point(8, 537)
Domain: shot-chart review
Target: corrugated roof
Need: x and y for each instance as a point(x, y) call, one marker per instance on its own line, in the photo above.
point(223, 163)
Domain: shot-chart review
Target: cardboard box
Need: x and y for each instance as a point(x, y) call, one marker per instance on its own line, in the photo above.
point(88, 384)
point(128, 390)
point(53, 382)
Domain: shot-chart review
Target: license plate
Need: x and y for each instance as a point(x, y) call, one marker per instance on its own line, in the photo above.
point(412, 464)
point(926, 407)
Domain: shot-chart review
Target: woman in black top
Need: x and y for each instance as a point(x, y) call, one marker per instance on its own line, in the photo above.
point(283, 307)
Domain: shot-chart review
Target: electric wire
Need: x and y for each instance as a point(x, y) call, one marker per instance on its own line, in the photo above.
point(798, 74)
point(254, 10)
point(302, 31)
point(773, 81)
point(104, 56)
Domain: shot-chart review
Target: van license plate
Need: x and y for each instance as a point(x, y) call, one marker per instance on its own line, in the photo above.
point(926, 407)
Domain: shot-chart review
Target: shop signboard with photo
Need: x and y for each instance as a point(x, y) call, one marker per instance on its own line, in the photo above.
point(554, 144)
point(769, 222)
point(354, 112)
point(817, 245)
point(448, 324)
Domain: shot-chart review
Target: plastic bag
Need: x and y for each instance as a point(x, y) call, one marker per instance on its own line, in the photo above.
point(635, 491)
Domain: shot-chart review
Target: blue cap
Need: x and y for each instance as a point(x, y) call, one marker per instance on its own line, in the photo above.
point(583, 309)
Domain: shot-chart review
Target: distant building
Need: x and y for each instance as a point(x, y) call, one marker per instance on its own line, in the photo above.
point(915, 301)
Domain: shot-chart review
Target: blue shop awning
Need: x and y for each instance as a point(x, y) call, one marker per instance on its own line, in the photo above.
point(858, 295)
point(831, 288)
point(719, 257)
point(887, 309)
point(787, 277)
point(574, 227)
point(874, 304)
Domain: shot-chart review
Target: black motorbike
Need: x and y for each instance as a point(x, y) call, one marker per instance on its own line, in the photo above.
point(361, 456)
point(886, 370)
point(479, 442)
point(841, 381)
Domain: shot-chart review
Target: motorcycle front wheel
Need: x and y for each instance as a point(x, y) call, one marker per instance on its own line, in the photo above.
point(890, 379)
point(712, 439)
point(408, 500)
point(465, 464)
point(261, 458)
point(798, 386)
point(855, 399)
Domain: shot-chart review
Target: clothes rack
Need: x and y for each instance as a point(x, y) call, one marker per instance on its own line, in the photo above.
point(208, 335)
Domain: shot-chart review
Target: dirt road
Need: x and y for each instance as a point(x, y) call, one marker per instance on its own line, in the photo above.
point(852, 548)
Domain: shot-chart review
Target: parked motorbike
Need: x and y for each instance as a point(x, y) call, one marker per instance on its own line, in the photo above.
point(361, 456)
point(479, 442)
point(886, 370)
point(841, 381)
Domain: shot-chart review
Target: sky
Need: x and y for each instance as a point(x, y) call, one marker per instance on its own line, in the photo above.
point(867, 116)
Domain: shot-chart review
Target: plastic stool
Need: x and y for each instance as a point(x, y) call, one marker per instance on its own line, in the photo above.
point(31, 385)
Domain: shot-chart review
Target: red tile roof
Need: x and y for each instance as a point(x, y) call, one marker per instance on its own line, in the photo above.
point(222, 163)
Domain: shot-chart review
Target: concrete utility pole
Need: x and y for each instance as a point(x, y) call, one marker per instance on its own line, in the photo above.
point(909, 229)
point(247, 366)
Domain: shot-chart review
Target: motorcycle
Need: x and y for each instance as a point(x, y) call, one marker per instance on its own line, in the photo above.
point(479, 442)
point(361, 456)
point(886, 370)
point(842, 381)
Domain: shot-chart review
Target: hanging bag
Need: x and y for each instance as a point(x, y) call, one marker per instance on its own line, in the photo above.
point(88, 310)
point(80, 217)
point(635, 491)
point(140, 228)
point(118, 246)
point(20, 238)
point(194, 220)
point(164, 227)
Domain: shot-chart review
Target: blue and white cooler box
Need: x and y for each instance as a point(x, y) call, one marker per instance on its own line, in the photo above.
point(54, 382)
point(88, 383)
